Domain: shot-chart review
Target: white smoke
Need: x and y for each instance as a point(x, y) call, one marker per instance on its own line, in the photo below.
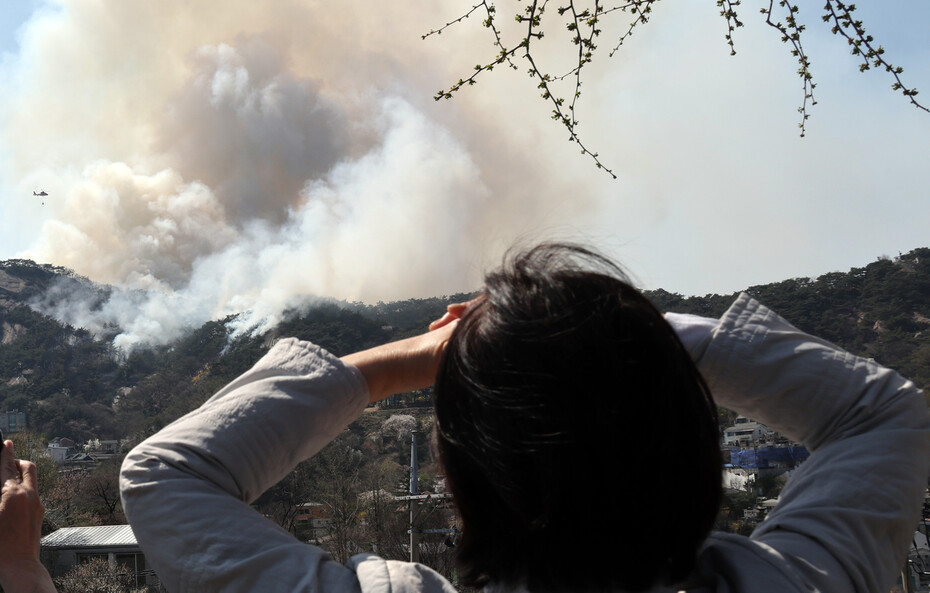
point(210, 159)
point(233, 184)
point(358, 231)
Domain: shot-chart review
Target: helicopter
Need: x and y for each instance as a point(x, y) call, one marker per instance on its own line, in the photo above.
point(41, 194)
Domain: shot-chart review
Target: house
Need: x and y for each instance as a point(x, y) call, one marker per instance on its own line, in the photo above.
point(117, 544)
point(109, 447)
point(12, 421)
point(744, 430)
point(60, 448)
point(63, 442)
point(57, 454)
point(313, 521)
point(106, 447)
point(81, 460)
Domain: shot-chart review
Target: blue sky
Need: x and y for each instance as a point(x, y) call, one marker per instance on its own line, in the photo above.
point(14, 13)
point(209, 155)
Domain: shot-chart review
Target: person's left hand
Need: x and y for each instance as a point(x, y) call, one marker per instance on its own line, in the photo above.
point(21, 514)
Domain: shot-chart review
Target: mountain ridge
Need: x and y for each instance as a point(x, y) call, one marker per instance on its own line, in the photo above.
point(73, 383)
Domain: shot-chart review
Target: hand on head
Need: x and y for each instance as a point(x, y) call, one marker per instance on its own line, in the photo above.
point(405, 365)
point(453, 312)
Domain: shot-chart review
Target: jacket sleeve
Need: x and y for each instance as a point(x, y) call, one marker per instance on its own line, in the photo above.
point(846, 516)
point(187, 489)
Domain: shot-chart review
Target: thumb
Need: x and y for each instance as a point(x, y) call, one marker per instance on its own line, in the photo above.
point(8, 468)
point(29, 474)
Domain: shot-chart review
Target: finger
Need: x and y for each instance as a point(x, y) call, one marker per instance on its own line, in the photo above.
point(461, 308)
point(453, 312)
point(442, 321)
point(30, 475)
point(458, 309)
point(8, 468)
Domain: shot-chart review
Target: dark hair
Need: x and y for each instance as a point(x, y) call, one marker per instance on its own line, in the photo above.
point(579, 441)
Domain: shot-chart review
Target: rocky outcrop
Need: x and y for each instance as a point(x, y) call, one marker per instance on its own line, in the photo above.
point(11, 332)
point(11, 283)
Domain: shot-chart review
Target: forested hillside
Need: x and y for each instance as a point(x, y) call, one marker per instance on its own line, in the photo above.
point(881, 311)
point(74, 384)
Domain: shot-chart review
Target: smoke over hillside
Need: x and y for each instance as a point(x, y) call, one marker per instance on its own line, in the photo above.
point(210, 161)
point(210, 158)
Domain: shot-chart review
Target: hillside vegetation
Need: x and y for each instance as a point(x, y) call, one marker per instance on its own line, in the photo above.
point(72, 383)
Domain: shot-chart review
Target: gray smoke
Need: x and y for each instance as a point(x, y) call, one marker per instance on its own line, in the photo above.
point(216, 166)
point(212, 158)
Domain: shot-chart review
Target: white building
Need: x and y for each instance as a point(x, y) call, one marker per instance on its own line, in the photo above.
point(116, 544)
point(744, 430)
point(58, 453)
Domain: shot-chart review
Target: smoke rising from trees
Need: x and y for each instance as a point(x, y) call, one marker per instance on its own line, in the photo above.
point(213, 159)
point(211, 162)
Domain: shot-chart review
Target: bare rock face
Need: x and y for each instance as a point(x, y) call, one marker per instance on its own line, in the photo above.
point(11, 283)
point(11, 332)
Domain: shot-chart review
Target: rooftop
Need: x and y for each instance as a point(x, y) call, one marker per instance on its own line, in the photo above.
point(90, 537)
point(743, 427)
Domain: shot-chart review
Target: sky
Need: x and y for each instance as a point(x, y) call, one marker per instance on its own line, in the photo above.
point(209, 159)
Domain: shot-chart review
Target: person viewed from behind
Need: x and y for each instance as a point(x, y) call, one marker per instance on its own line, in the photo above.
point(578, 434)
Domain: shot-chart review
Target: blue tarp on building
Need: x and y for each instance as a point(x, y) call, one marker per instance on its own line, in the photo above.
point(767, 457)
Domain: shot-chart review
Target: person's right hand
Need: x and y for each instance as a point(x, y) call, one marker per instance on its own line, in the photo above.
point(21, 514)
point(453, 312)
point(405, 365)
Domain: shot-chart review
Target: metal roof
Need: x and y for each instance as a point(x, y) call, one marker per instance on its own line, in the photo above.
point(90, 537)
point(743, 427)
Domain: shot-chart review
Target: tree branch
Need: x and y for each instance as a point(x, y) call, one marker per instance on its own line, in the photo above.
point(583, 25)
point(791, 33)
point(872, 57)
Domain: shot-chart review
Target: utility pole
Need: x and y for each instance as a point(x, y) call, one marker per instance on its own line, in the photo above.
point(418, 502)
point(414, 491)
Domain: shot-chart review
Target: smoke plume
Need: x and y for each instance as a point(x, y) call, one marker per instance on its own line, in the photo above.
point(208, 159)
point(211, 161)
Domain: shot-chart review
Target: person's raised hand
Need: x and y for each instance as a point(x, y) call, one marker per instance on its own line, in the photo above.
point(453, 313)
point(405, 365)
point(21, 515)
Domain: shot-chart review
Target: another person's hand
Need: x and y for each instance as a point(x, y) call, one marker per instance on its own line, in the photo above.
point(405, 365)
point(21, 515)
